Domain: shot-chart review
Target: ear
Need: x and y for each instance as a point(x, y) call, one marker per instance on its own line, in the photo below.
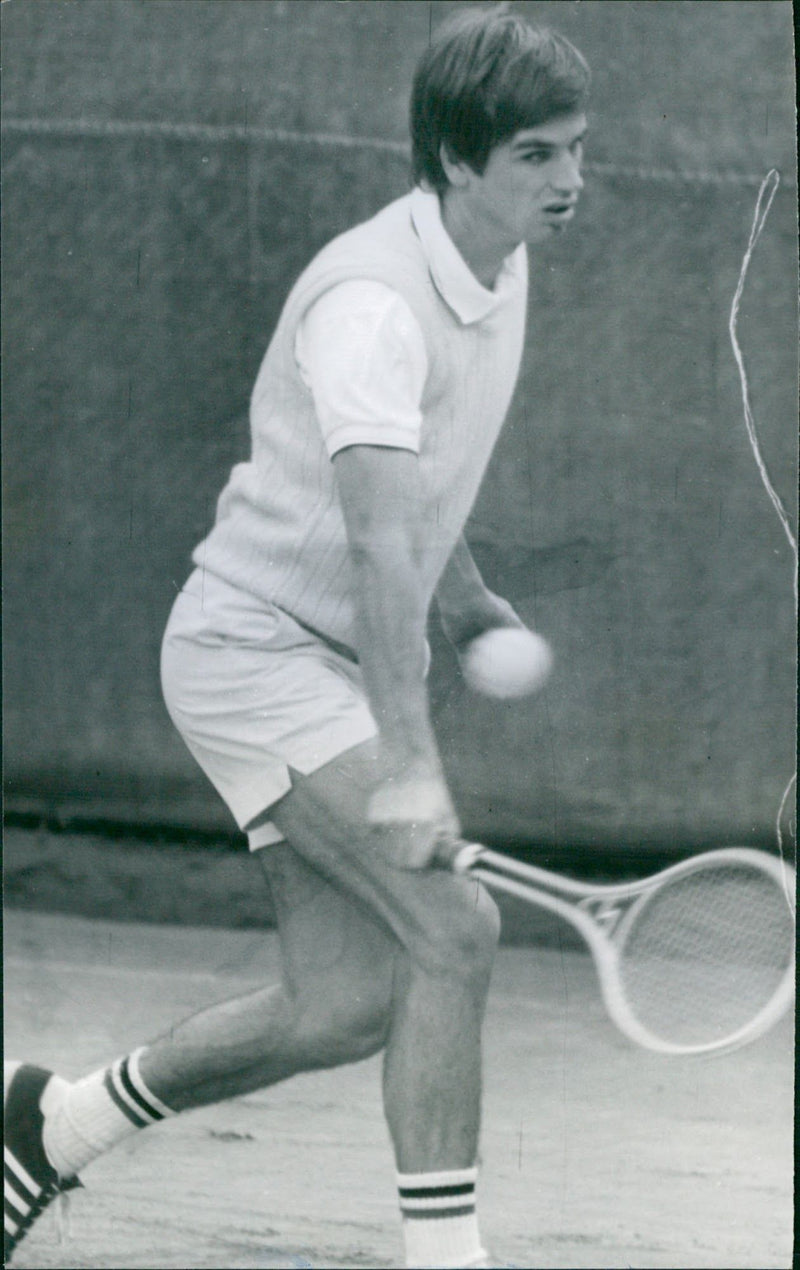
point(458, 172)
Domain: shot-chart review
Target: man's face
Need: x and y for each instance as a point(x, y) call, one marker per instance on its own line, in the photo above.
point(528, 190)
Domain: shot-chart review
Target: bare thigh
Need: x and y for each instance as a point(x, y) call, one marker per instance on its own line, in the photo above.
point(439, 919)
point(331, 945)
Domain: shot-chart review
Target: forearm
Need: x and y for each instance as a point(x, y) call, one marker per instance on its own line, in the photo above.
point(392, 616)
point(380, 494)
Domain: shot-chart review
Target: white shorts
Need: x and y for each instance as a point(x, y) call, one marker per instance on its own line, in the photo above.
point(253, 693)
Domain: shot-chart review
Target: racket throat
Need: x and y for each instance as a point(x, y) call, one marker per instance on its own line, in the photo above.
point(606, 912)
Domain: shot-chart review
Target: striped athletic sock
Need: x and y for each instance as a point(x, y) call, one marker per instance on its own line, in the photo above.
point(84, 1119)
point(440, 1225)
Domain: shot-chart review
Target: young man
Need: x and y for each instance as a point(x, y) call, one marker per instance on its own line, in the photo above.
point(295, 659)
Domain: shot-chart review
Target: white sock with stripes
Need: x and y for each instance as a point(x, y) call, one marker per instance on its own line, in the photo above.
point(84, 1119)
point(440, 1225)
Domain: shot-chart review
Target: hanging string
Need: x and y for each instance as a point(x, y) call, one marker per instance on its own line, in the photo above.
point(766, 193)
point(771, 182)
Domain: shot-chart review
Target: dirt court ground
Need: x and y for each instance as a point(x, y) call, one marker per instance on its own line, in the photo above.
point(595, 1154)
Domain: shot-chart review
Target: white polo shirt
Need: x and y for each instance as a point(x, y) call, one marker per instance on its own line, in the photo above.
point(426, 358)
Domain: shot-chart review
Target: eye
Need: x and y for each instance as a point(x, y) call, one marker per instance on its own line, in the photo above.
point(536, 156)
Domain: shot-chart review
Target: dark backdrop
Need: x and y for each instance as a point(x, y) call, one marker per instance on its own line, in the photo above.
point(168, 170)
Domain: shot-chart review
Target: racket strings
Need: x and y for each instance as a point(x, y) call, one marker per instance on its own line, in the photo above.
point(705, 953)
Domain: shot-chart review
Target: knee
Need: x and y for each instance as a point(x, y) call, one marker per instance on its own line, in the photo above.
point(461, 936)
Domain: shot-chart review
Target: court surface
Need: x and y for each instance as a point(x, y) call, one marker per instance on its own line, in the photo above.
point(595, 1154)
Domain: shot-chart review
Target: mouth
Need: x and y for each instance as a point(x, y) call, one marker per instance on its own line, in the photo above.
point(559, 212)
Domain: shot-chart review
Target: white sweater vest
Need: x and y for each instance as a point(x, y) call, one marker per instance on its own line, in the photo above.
point(279, 533)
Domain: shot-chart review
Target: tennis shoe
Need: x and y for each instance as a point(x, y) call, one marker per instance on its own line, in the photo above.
point(31, 1182)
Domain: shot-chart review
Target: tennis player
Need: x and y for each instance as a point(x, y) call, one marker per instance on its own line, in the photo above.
point(295, 659)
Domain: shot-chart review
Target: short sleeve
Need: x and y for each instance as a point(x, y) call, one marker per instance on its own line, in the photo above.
point(361, 352)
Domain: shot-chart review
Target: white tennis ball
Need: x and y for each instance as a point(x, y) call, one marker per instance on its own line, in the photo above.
point(507, 662)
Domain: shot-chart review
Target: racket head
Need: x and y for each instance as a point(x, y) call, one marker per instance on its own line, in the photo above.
point(703, 961)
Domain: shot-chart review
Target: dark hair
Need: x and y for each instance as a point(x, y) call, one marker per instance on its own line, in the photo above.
point(485, 75)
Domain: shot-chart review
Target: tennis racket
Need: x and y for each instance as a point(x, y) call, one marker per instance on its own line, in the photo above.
point(696, 959)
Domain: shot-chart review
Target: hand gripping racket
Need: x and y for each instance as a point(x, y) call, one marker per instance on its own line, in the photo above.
point(696, 959)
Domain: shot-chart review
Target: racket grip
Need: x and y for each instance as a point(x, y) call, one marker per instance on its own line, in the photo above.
point(456, 855)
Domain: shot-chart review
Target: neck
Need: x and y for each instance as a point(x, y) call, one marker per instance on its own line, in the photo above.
point(482, 250)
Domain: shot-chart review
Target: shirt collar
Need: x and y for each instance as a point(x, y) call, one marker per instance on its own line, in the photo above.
point(452, 277)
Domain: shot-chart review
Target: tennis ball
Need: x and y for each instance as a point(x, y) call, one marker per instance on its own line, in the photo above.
point(507, 662)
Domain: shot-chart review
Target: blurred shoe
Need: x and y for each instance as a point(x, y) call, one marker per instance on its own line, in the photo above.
point(31, 1182)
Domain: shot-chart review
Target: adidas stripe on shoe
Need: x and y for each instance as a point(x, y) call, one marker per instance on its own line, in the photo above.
point(30, 1181)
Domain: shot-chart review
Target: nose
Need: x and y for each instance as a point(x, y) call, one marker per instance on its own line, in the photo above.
point(567, 179)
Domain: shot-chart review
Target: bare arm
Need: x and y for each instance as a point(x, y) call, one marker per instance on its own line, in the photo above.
point(380, 495)
point(467, 607)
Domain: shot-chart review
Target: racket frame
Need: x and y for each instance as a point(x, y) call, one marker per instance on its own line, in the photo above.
point(604, 914)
